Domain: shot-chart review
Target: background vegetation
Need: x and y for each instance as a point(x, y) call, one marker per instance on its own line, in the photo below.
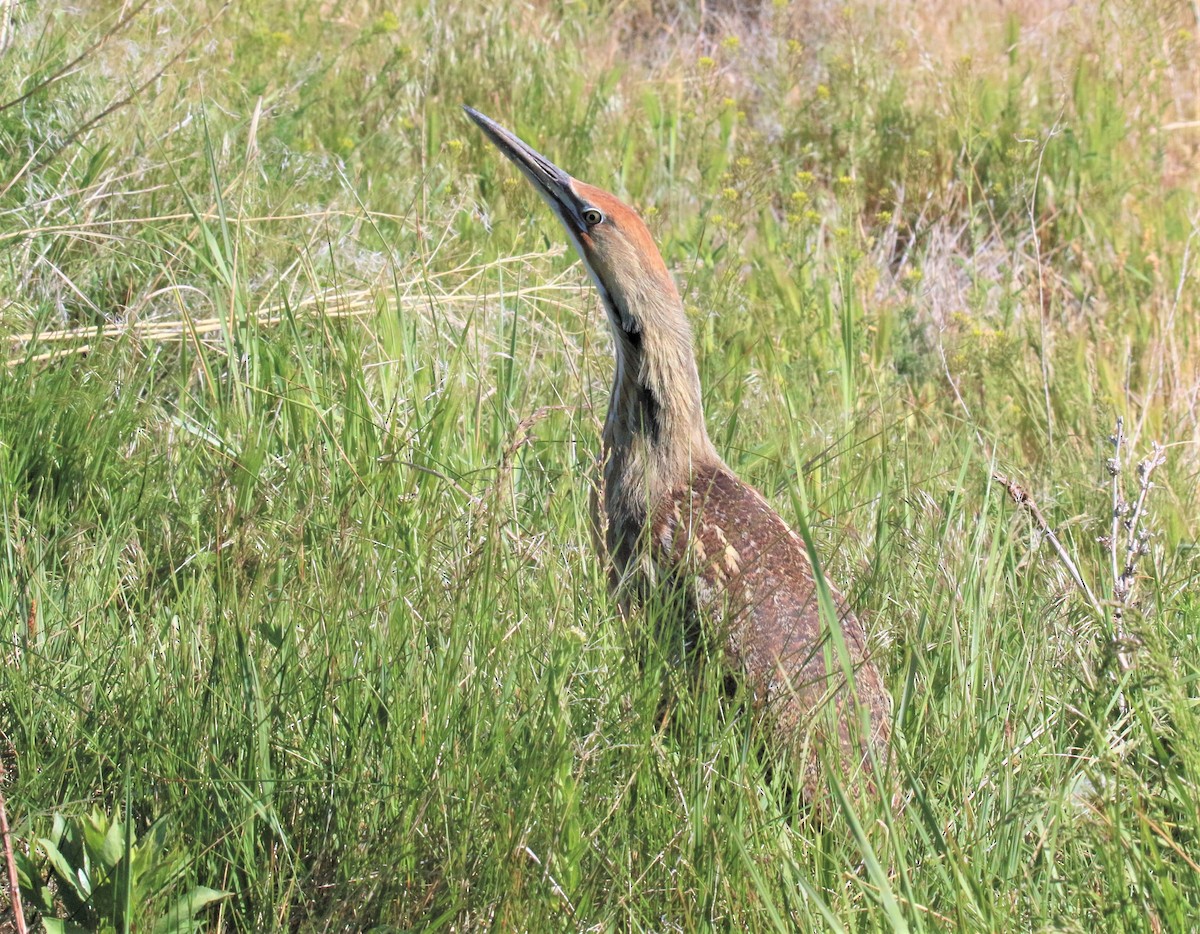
point(301, 394)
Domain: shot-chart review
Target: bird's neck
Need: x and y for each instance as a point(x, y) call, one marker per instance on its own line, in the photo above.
point(654, 435)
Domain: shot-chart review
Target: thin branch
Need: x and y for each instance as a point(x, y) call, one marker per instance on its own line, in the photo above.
point(1136, 541)
point(1026, 501)
point(14, 892)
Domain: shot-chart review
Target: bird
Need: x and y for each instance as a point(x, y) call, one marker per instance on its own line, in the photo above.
point(671, 515)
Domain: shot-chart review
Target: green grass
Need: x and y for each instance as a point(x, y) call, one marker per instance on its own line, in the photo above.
point(301, 397)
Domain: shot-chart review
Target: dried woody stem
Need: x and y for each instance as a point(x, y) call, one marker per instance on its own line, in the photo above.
point(14, 892)
point(1026, 501)
point(1137, 540)
point(1125, 517)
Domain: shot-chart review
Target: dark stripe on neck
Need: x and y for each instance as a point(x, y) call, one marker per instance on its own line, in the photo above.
point(650, 412)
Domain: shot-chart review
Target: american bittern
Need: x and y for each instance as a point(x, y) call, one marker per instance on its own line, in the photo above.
point(674, 515)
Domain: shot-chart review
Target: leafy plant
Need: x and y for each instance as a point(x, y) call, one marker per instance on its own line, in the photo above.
point(106, 879)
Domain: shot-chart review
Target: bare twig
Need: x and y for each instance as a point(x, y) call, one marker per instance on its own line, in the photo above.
point(1027, 502)
point(14, 892)
point(1125, 550)
point(1126, 540)
point(1135, 539)
point(1137, 544)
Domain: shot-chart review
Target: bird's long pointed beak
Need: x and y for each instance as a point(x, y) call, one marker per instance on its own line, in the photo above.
point(551, 182)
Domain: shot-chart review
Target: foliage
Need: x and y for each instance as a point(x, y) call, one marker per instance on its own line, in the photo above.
point(109, 880)
point(302, 392)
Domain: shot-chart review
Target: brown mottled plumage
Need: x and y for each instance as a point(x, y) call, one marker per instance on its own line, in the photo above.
point(673, 514)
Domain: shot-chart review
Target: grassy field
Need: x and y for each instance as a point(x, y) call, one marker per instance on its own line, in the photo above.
point(301, 395)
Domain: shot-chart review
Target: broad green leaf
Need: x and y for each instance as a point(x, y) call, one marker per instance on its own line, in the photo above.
point(80, 883)
point(113, 848)
point(178, 918)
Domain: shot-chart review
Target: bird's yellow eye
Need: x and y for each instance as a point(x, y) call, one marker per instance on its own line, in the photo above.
point(592, 217)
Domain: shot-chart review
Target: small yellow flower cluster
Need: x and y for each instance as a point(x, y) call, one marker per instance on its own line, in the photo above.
point(805, 216)
point(738, 187)
point(388, 22)
point(800, 209)
point(978, 342)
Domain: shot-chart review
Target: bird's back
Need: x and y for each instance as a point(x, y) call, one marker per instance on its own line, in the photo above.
point(750, 577)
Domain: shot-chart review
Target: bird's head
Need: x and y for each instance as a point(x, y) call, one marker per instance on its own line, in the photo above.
point(613, 242)
point(656, 387)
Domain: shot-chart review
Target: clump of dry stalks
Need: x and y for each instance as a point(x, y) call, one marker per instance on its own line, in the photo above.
point(1127, 542)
